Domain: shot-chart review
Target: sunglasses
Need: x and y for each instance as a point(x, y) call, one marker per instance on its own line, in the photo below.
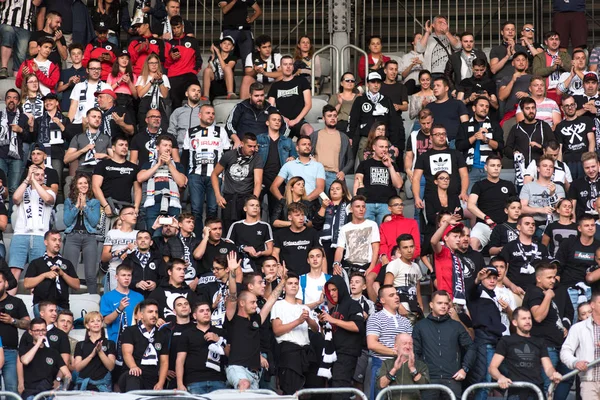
point(529, 29)
point(349, 80)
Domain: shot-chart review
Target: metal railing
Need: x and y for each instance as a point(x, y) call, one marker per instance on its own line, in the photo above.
point(342, 61)
point(357, 392)
point(401, 388)
point(491, 385)
point(569, 376)
point(335, 64)
point(168, 392)
point(52, 393)
point(11, 395)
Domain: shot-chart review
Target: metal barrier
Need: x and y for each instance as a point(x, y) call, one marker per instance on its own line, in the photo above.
point(42, 395)
point(10, 395)
point(400, 388)
point(491, 385)
point(358, 49)
point(335, 65)
point(568, 376)
point(331, 391)
point(171, 392)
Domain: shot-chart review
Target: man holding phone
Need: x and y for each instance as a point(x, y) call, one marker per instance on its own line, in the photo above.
point(101, 49)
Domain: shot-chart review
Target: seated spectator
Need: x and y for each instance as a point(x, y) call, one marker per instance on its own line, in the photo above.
point(148, 267)
point(546, 108)
point(118, 243)
point(183, 247)
point(571, 82)
point(344, 99)
point(218, 79)
point(562, 228)
point(39, 159)
point(211, 245)
point(292, 97)
point(94, 357)
point(114, 18)
point(145, 352)
point(562, 172)
point(152, 88)
point(91, 146)
point(394, 89)
point(418, 101)
point(436, 45)
point(101, 49)
point(552, 63)
point(122, 81)
point(51, 275)
point(262, 66)
point(52, 29)
point(15, 26)
point(294, 193)
point(478, 85)
point(410, 66)
point(69, 77)
point(447, 111)
point(116, 121)
point(445, 244)
point(303, 54)
point(32, 105)
point(46, 71)
point(81, 216)
point(184, 60)
point(460, 64)
point(379, 129)
point(376, 59)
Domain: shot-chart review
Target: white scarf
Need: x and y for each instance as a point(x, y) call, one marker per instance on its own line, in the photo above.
point(170, 196)
point(33, 222)
point(90, 156)
point(13, 147)
point(4, 129)
point(150, 356)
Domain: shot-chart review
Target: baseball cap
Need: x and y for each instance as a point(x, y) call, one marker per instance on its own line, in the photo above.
point(492, 270)
point(38, 147)
point(101, 26)
point(590, 76)
point(520, 53)
point(124, 52)
point(227, 38)
point(50, 96)
point(374, 76)
point(451, 227)
point(108, 92)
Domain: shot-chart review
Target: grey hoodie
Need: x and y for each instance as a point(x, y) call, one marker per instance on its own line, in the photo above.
point(182, 119)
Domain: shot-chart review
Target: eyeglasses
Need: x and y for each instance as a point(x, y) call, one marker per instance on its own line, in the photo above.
point(217, 269)
point(397, 205)
point(570, 105)
point(95, 69)
point(439, 134)
point(529, 29)
point(39, 330)
point(349, 80)
point(443, 178)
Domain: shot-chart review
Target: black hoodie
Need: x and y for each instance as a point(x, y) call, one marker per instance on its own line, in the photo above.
point(165, 294)
point(346, 309)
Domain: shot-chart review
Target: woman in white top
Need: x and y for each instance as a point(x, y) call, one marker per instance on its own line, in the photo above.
point(419, 100)
point(152, 87)
point(410, 66)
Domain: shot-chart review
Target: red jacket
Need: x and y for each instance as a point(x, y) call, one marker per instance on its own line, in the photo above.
point(50, 80)
point(96, 49)
point(361, 66)
point(190, 61)
point(389, 232)
point(138, 55)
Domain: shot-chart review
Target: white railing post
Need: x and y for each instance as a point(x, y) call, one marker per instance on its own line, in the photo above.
point(335, 68)
point(568, 376)
point(490, 385)
point(355, 391)
point(401, 388)
point(343, 62)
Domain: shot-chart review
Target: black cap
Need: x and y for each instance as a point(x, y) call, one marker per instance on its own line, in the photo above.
point(124, 52)
point(50, 96)
point(101, 26)
point(37, 146)
point(492, 270)
point(521, 53)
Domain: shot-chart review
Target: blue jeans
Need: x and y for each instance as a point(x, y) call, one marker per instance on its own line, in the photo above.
point(574, 295)
point(153, 212)
point(25, 248)
point(9, 370)
point(376, 212)
point(329, 178)
point(17, 39)
point(206, 387)
point(375, 365)
point(418, 211)
point(201, 188)
point(563, 388)
point(490, 349)
point(452, 144)
point(12, 168)
point(475, 175)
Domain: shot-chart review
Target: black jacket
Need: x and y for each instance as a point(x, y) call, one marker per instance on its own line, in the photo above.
point(453, 66)
point(155, 271)
point(485, 315)
point(246, 118)
point(470, 128)
point(440, 342)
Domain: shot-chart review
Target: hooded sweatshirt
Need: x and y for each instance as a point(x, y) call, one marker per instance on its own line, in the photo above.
point(182, 119)
point(166, 294)
point(345, 309)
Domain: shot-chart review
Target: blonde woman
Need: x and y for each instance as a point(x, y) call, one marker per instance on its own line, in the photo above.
point(152, 88)
point(294, 193)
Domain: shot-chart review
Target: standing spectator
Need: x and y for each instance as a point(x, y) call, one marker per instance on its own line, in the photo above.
point(506, 232)
point(167, 290)
point(524, 356)
point(460, 64)
point(376, 59)
point(292, 97)
point(46, 71)
point(218, 79)
point(211, 245)
point(238, 24)
point(346, 320)
point(514, 87)
point(152, 88)
point(31, 97)
point(144, 44)
point(568, 20)
point(89, 146)
point(51, 275)
point(183, 246)
point(145, 352)
point(572, 82)
point(377, 179)
point(437, 44)
point(166, 30)
point(382, 329)
point(394, 89)
point(118, 243)
point(262, 65)
point(164, 177)
point(16, 24)
point(148, 265)
point(81, 216)
point(242, 177)
point(312, 284)
point(390, 231)
point(13, 317)
point(184, 60)
point(501, 55)
point(552, 63)
point(34, 203)
point(419, 141)
point(294, 193)
point(69, 77)
point(121, 80)
point(449, 269)
point(187, 116)
point(447, 111)
point(344, 99)
point(480, 84)
point(561, 229)
point(197, 344)
point(584, 191)
point(144, 144)
point(444, 345)
point(101, 49)
point(418, 101)
point(410, 66)
point(527, 41)
point(39, 159)
point(546, 108)
point(203, 147)
point(486, 202)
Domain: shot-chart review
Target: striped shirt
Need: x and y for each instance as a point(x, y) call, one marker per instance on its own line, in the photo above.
point(206, 146)
point(545, 110)
point(596, 370)
point(386, 327)
point(17, 13)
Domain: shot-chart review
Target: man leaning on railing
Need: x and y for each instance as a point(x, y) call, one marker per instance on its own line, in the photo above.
point(581, 347)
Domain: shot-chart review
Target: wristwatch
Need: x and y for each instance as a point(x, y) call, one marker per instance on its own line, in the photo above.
point(414, 373)
point(392, 378)
point(58, 379)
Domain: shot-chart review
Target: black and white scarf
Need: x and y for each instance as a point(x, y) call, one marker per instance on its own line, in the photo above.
point(105, 126)
point(329, 355)
point(83, 93)
point(458, 280)
point(215, 351)
point(555, 75)
point(151, 146)
point(150, 356)
point(519, 164)
point(186, 248)
point(34, 106)
point(155, 96)
point(90, 156)
point(468, 63)
point(122, 325)
point(142, 257)
point(35, 222)
point(50, 262)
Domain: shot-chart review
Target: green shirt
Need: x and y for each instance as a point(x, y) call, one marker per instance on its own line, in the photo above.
point(403, 377)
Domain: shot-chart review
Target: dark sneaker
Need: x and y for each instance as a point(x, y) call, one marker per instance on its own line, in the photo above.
point(3, 73)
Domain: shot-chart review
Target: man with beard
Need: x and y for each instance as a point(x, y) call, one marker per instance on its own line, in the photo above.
point(176, 329)
point(546, 108)
point(477, 85)
point(148, 266)
point(250, 115)
point(186, 116)
point(460, 64)
point(584, 191)
point(170, 289)
point(552, 63)
point(446, 110)
point(523, 356)
point(183, 245)
point(144, 145)
point(514, 86)
point(116, 121)
point(589, 101)
point(91, 146)
point(118, 243)
point(211, 245)
point(571, 82)
point(167, 231)
point(145, 352)
point(242, 177)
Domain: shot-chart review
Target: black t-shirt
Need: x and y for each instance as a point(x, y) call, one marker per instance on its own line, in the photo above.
point(50, 178)
point(212, 250)
point(581, 191)
point(272, 164)
point(595, 285)
point(177, 331)
point(492, 198)
point(40, 373)
point(504, 233)
point(57, 339)
point(574, 260)
point(236, 17)
point(522, 357)
point(557, 233)
point(472, 85)
point(244, 337)
point(448, 114)
point(146, 152)
point(132, 335)
point(422, 144)
point(118, 179)
point(378, 186)
point(522, 259)
point(573, 137)
point(14, 307)
point(433, 161)
point(3, 211)
point(294, 248)
point(255, 235)
point(47, 289)
point(396, 92)
point(195, 370)
point(115, 129)
point(289, 96)
point(95, 370)
point(551, 329)
point(54, 55)
point(238, 176)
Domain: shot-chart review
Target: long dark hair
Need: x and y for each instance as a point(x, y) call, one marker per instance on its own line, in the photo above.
point(128, 69)
point(74, 192)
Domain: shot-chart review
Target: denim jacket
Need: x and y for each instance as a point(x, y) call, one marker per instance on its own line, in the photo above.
point(91, 215)
point(285, 146)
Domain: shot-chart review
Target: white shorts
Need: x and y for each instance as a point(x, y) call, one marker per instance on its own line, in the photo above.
point(481, 232)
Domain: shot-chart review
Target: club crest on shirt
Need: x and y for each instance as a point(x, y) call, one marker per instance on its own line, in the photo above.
point(158, 346)
point(49, 361)
point(53, 338)
point(9, 307)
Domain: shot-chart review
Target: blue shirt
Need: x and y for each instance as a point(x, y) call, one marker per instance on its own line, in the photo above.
point(109, 303)
point(310, 172)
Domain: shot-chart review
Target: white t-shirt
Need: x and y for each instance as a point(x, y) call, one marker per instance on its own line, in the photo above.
point(35, 207)
point(505, 294)
point(269, 66)
point(357, 240)
point(314, 288)
point(405, 275)
point(143, 82)
point(44, 66)
point(287, 312)
point(119, 240)
point(90, 100)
